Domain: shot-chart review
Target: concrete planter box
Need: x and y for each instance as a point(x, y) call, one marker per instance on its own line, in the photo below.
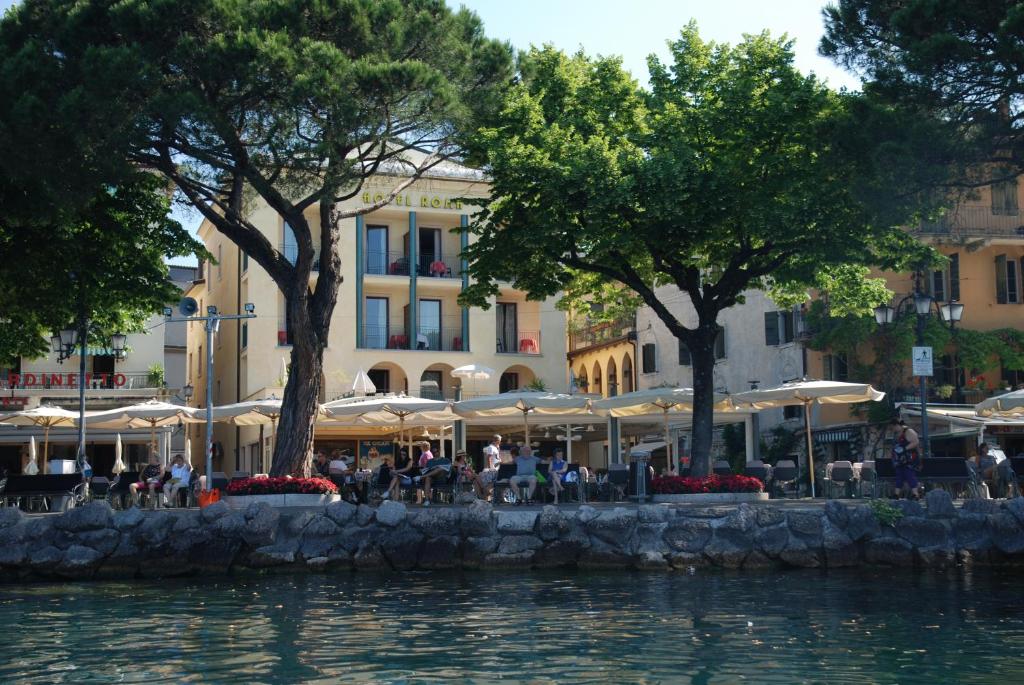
point(243, 501)
point(712, 498)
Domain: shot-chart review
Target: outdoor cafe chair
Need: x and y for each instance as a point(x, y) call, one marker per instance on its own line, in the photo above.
point(839, 473)
point(758, 469)
point(618, 481)
point(784, 474)
point(722, 468)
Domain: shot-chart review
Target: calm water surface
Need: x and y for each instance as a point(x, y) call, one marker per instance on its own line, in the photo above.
point(560, 627)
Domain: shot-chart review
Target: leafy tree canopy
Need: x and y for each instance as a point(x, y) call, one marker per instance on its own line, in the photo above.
point(734, 172)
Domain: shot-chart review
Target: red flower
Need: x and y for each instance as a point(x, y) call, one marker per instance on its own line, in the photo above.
point(282, 486)
point(679, 485)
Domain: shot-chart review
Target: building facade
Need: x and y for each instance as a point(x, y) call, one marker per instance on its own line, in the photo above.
point(397, 316)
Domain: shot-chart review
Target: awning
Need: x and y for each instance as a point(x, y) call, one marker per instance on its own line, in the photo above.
point(832, 436)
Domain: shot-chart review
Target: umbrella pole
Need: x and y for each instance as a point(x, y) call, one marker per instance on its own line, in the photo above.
point(810, 444)
point(46, 441)
point(668, 444)
point(526, 428)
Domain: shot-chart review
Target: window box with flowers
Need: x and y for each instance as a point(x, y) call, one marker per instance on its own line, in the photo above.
point(281, 492)
point(709, 490)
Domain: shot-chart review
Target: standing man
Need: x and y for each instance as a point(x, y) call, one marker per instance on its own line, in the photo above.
point(906, 458)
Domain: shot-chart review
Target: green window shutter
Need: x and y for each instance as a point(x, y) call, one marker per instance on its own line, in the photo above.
point(720, 344)
point(771, 328)
point(1001, 279)
point(954, 277)
point(788, 332)
point(684, 354)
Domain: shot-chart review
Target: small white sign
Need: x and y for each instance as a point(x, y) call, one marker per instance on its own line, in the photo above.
point(922, 359)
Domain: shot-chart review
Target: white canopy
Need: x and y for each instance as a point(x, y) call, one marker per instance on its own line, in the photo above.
point(806, 393)
point(523, 404)
point(1008, 404)
point(150, 414)
point(250, 413)
point(44, 415)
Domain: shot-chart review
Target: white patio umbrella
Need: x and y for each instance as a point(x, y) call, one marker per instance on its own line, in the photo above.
point(806, 393)
point(523, 404)
point(1007, 405)
point(32, 468)
point(45, 416)
point(362, 385)
point(150, 414)
point(473, 372)
point(119, 465)
point(655, 401)
point(390, 409)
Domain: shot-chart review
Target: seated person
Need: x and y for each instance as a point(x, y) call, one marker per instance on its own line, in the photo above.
point(526, 472)
point(556, 473)
point(431, 472)
point(149, 478)
point(465, 471)
point(405, 474)
point(181, 476)
point(321, 467)
point(992, 470)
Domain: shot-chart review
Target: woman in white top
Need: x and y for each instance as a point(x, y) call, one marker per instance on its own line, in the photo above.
point(181, 475)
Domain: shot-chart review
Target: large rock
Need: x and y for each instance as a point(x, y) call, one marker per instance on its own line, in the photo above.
point(509, 561)
point(586, 513)
point(187, 521)
point(517, 544)
point(970, 532)
point(1006, 533)
point(771, 541)
point(341, 512)
point(651, 561)
point(1016, 507)
point(440, 552)
point(770, 515)
point(13, 555)
point(123, 562)
point(294, 524)
point(722, 551)
point(743, 520)
point(797, 553)
point(43, 559)
point(840, 550)
point(477, 520)
point(215, 556)
point(476, 549)
point(79, 562)
point(553, 523)
point(401, 547)
point(758, 561)
point(706, 512)
point(271, 556)
point(889, 551)
point(127, 519)
point(320, 526)
point(230, 526)
point(436, 522)
point(316, 546)
point(614, 527)
point(560, 553)
point(649, 538)
point(91, 516)
point(688, 561)
point(14, 534)
point(837, 513)
point(653, 513)
point(980, 506)
point(909, 507)
point(515, 522)
point(806, 524)
point(10, 516)
point(391, 514)
point(261, 521)
point(103, 541)
point(353, 537)
point(922, 532)
point(861, 523)
point(364, 514)
point(936, 557)
point(214, 511)
point(602, 555)
point(154, 530)
point(688, 534)
point(369, 558)
point(940, 504)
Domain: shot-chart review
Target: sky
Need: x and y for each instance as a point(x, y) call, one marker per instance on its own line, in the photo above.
point(633, 29)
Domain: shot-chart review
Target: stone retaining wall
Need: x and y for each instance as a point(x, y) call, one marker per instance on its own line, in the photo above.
point(95, 542)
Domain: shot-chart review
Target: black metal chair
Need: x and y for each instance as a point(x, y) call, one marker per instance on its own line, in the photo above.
point(785, 473)
point(618, 481)
point(502, 492)
point(841, 473)
point(118, 493)
point(758, 469)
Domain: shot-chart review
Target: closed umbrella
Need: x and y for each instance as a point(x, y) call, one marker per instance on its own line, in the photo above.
point(805, 393)
point(657, 401)
point(523, 404)
point(1007, 405)
point(362, 385)
point(473, 372)
point(119, 465)
point(45, 416)
point(188, 452)
point(32, 468)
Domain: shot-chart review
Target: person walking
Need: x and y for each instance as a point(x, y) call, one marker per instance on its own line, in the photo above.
point(906, 459)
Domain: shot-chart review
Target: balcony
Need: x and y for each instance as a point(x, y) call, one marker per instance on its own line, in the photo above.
point(524, 342)
point(974, 222)
point(398, 264)
point(601, 333)
point(395, 337)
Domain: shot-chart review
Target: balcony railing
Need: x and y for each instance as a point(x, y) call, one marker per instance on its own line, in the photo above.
point(599, 333)
point(975, 222)
point(63, 380)
point(525, 342)
point(394, 337)
point(398, 264)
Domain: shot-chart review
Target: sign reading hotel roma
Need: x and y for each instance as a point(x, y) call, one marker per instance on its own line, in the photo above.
point(407, 200)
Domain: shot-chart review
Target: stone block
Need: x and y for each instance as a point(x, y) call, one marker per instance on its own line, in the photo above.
point(186, 521)
point(477, 520)
point(369, 558)
point(103, 541)
point(586, 513)
point(651, 561)
point(216, 555)
point(602, 555)
point(391, 514)
point(922, 532)
point(559, 553)
point(861, 523)
point(771, 541)
point(515, 522)
point(614, 527)
point(10, 516)
point(79, 562)
point(970, 531)
point(688, 534)
point(724, 552)
point(837, 513)
point(261, 521)
point(91, 516)
point(476, 549)
point(294, 524)
point(230, 526)
point(341, 512)
point(1016, 507)
point(505, 561)
point(770, 515)
point(313, 546)
point(799, 555)
point(705, 512)
point(127, 519)
point(909, 507)
point(43, 559)
point(688, 561)
point(652, 513)
point(889, 551)
point(940, 504)
point(758, 561)
point(650, 538)
point(553, 523)
point(807, 524)
point(401, 547)
point(271, 556)
point(440, 552)
point(320, 526)
point(364, 514)
point(13, 555)
point(437, 522)
point(517, 544)
point(214, 511)
point(1007, 535)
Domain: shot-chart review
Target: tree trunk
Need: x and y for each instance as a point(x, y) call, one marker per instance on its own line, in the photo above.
point(702, 358)
point(293, 448)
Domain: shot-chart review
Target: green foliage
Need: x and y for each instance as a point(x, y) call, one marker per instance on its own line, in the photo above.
point(731, 173)
point(105, 257)
point(156, 376)
point(589, 300)
point(734, 435)
point(536, 385)
point(886, 513)
point(783, 443)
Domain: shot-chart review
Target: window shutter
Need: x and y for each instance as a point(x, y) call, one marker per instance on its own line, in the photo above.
point(842, 371)
point(720, 344)
point(826, 366)
point(954, 277)
point(938, 285)
point(771, 328)
point(684, 354)
point(1001, 279)
point(788, 327)
point(647, 353)
point(1012, 282)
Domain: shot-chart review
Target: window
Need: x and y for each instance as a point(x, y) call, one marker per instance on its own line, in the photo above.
point(835, 367)
point(245, 335)
point(290, 246)
point(508, 382)
point(684, 352)
point(649, 358)
point(432, 385)
point(1004, 197)
point(377, 258)
point(1007, 280)
point(779, 328)
point(245, 262)
point(381, 379)
point(938, 285)
point(506, 327)
point(376, 330)
point(792, 412)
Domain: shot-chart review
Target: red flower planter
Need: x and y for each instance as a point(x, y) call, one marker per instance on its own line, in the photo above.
point(282, 486)
point(680, 485)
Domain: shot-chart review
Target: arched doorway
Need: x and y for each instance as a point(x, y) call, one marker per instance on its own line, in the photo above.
point(582, 382)
point(595, 381)
point(436, 382)
point(389, 377)
point(613, 379)
point(515, 377)
point(627, 374)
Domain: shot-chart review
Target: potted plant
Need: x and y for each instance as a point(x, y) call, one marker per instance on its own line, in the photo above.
point(281, 492)
point(155, 375)
point(944, 391)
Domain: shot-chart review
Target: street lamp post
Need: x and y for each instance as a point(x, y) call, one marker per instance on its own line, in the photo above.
point(950, 313)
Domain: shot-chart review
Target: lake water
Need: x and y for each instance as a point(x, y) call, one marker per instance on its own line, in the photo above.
point(850, 627)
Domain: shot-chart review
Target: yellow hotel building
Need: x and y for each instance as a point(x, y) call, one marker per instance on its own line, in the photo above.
point(397, 315)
